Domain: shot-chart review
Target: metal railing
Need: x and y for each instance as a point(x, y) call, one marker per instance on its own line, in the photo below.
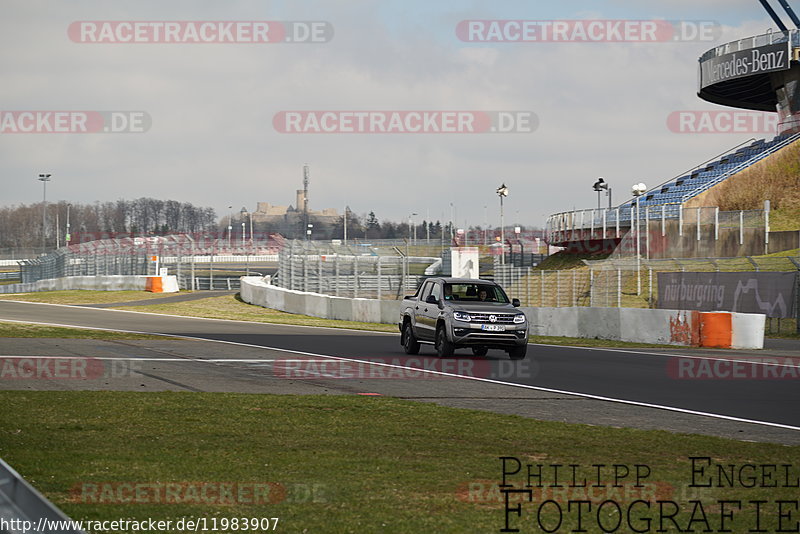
point(747, 43)
point(614, 224)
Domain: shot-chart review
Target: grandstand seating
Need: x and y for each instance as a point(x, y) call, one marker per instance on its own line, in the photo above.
point(680, 190)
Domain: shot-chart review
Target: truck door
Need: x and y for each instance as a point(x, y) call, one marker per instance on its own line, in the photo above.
point(429, 313)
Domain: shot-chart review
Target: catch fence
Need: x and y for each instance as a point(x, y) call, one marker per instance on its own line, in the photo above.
point(329, 269)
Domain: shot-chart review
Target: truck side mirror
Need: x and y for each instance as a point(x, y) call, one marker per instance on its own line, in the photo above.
point(516, 303)
point(431, 300)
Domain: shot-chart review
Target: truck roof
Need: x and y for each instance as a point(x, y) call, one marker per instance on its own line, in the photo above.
point(450, 280)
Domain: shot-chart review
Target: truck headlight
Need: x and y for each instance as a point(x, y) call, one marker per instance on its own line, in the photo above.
point(461, 316)
point(519, 318)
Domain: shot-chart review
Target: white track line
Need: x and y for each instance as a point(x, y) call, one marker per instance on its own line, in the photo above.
point(603, 349)
point(105, 358)
point(486, 380)
point(192, 317)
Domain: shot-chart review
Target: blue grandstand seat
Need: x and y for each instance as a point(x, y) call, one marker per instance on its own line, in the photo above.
point(676, 191)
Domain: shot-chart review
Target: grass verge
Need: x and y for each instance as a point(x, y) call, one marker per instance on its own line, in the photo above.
point(351, 463)
point(77, 296)
point(233, 308)
point(20, 330)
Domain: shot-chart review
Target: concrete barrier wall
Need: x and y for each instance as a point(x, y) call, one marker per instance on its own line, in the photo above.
point(91, 283)
point(747, 330)
point(663, 327)
point(255, 290)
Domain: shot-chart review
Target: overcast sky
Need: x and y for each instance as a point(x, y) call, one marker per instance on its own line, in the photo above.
point(602, 107)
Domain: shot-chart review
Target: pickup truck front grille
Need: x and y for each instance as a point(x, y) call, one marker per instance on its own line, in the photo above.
point(500, 318)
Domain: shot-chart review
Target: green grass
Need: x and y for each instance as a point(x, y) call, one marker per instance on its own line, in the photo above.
point(376, 464)
point(20, 330)
point(231, 307)
point(567, 260)
point(77, 296)
point(794, 252)
point(776, 178)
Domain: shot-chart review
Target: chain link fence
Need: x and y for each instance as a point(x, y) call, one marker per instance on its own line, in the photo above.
point(352, 270)
point(200, 262)
point(108, 257)
point(619, 282)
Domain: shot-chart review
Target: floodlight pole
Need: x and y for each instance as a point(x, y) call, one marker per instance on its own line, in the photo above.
point(638, 190)
point(68, 236)
point(44, 178)
point(638, 250)
point(230, 227)
point(502, 234)
point(502, 191)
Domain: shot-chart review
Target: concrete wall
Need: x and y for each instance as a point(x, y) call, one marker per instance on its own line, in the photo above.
point(255, 290)
point(617, 324)
point(663, 327)
point(780, 241)
point(92, 283)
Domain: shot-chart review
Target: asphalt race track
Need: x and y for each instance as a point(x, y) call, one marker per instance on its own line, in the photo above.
point(645, 389)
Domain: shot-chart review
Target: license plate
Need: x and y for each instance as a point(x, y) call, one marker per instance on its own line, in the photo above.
point(493, 327)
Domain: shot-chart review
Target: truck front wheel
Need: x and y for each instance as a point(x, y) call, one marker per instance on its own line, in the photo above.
point(518, 353)
point(444, 347)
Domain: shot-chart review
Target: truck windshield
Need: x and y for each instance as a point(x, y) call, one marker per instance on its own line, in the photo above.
point(475, 293)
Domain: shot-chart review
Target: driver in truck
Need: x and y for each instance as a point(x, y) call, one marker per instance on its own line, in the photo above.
point(448, 292)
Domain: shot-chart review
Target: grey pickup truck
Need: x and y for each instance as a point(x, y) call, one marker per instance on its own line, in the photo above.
point(452, 313)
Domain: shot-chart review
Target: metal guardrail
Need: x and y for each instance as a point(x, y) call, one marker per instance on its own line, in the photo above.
point(205, 283)
point(20, 502)
point(608, 224)
point(753, 42)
